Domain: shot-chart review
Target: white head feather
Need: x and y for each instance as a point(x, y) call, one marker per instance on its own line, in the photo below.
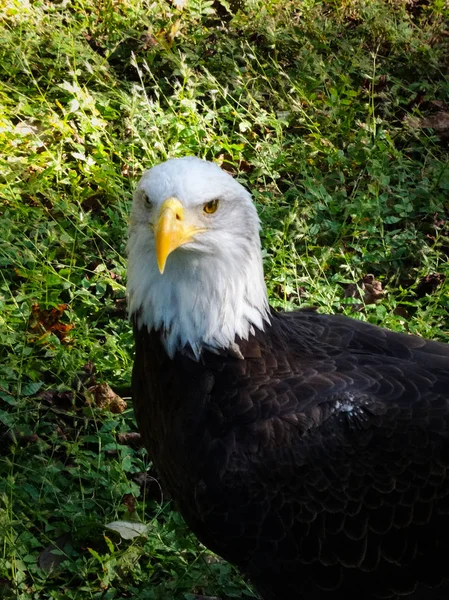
point(212, 289)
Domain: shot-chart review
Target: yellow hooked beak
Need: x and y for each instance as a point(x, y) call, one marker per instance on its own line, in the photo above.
point(171, 231)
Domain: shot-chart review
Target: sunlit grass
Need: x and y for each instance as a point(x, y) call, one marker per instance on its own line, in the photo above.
point(315, 107)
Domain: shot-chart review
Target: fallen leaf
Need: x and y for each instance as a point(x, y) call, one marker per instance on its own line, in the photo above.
point(44, 321)
point(367, 289)
point(132, 439)
point(104, 396)
point(128, 530)
point(130, 502)
point(439, 122)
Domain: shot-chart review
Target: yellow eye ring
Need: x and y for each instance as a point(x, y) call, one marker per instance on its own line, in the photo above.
point(210, 207)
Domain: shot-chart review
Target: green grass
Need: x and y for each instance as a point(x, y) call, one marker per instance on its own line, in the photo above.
point(316, 107)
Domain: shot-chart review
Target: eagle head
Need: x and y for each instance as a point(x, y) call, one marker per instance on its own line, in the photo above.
point(195, 267)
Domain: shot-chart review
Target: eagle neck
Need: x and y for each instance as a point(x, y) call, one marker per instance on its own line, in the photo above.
point(199, 303)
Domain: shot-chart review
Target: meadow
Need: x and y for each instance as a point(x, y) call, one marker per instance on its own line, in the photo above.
point(334, 113)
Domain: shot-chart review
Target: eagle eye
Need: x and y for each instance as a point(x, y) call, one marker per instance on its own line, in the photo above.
point(147, 200)
point(210, 207)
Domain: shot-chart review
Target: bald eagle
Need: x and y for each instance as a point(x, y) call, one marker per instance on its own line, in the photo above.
point(310, 450)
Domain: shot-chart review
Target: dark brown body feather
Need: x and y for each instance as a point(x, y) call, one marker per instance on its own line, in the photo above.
point(318, 464)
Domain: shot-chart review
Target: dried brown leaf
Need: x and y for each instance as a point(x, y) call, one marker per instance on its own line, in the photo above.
point(367, 289)
point(103, 396)
point(131, 438)
point(44, 321)
point(439, 122)
point(130, 502)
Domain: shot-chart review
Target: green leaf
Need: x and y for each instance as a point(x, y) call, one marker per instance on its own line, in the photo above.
point(30, 389)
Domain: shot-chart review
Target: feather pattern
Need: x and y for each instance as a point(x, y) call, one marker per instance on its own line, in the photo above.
point(318, 464)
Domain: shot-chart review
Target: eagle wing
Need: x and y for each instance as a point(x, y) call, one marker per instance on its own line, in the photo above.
point(324, 457)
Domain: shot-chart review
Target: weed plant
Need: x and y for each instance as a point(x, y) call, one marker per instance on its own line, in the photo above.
point(332, 112)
